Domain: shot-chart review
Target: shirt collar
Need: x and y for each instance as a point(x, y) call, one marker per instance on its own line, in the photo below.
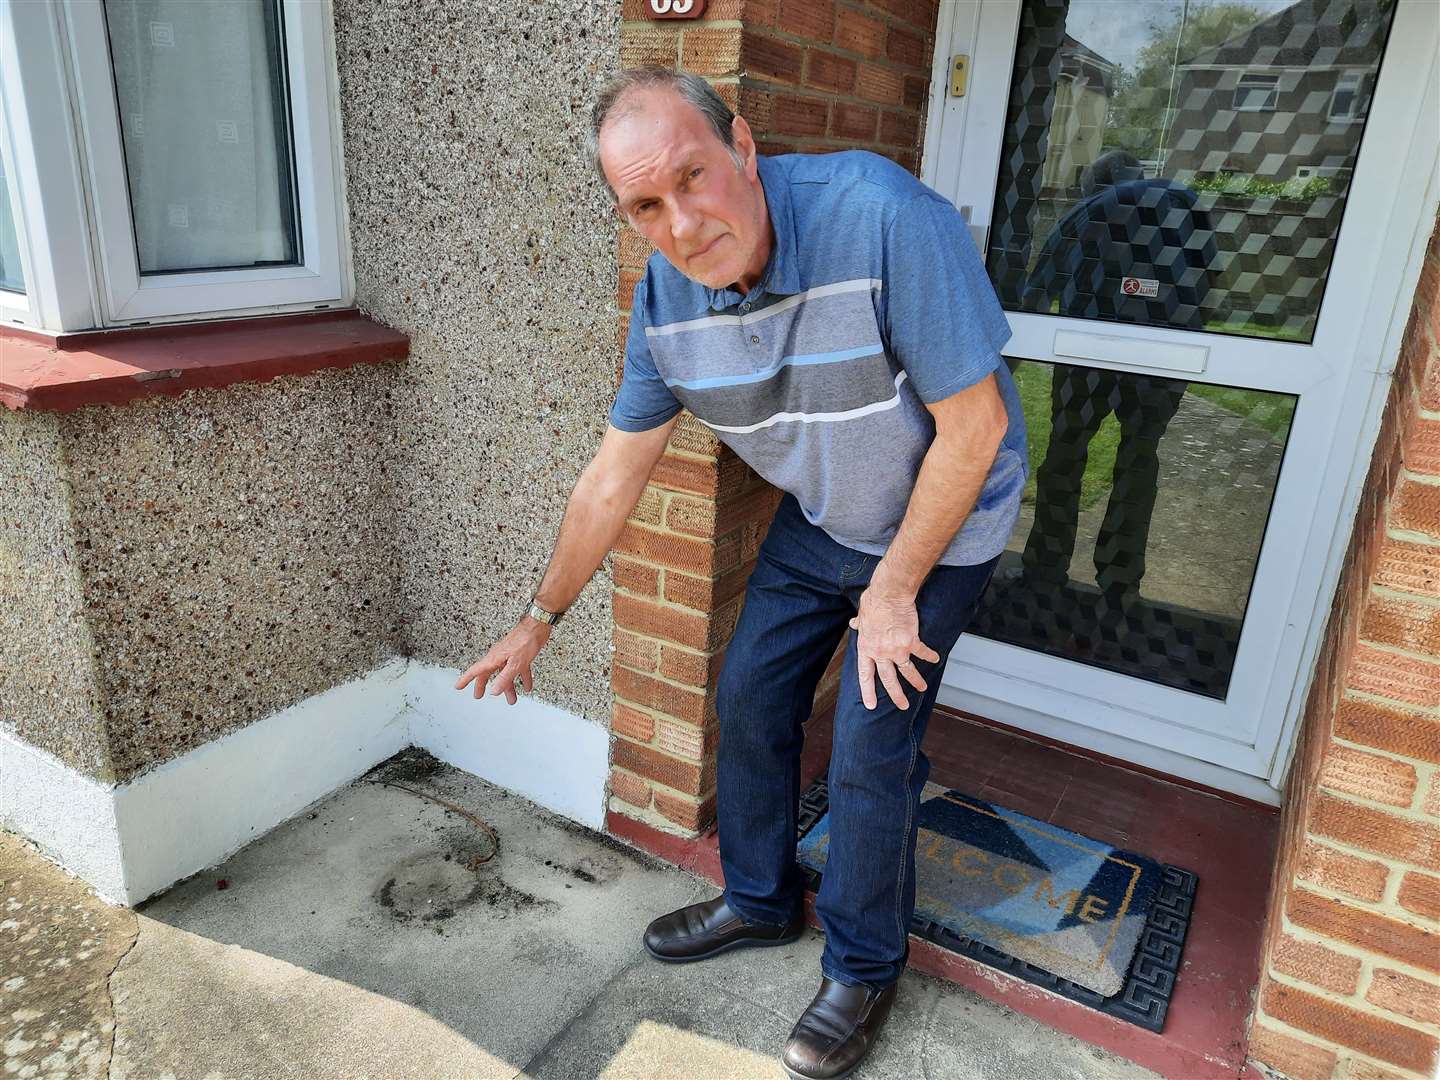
point(781, 275)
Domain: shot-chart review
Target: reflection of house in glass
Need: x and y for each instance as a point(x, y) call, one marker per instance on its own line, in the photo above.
point(1276, 103)
point(1266, 127)
point(1077, 126)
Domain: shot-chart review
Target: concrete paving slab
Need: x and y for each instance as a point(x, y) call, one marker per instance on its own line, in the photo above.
point(380, 937)
point(728, 1018)
point(58, 945)
point(383, 890)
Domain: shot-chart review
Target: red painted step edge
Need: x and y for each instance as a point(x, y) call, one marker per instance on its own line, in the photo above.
point(111, 367)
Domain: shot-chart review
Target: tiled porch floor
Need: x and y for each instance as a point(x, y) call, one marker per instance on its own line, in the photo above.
point(1230, 845)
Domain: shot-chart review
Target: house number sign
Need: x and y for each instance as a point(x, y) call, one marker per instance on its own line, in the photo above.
point(675, 9)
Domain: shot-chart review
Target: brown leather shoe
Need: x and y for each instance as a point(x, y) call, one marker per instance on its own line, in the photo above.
point(837, 1030)
point(710, 928)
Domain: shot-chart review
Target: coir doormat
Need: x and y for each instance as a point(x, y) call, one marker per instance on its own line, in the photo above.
point(1093, 923)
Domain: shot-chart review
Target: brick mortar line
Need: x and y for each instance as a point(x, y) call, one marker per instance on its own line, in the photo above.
point(1423, 769)
point(886, 18)
point(1397, 650)
point(1396, 704)
point(670, 605)
point(1373, 804)
point(652, 746)
point(664, 789)
point(1301, 1035)
point(631, 25)
point(1355, 952)
point(1391, 862)
point(1426, 479)
point(1391, 647)
point(1409, 536)
point(1359, 1004)
point(1405, 813)
point(1390, 592)
point(837, 97)
point(1390, 894)
point(674, 645)
point(1368, 973)
point(699, 691)
point(785, 37)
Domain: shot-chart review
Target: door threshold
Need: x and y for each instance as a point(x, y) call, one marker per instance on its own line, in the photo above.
point(1108, 759)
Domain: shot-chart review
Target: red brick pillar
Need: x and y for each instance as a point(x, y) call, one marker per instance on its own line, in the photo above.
point(1350, 988)
point(682, 562)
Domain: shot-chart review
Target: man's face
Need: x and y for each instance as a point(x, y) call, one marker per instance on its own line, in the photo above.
point(677, 184)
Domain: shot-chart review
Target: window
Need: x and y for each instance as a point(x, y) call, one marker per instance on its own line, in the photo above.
point(203, 141)
point(12, 275)
point(1345, 100)
point(1256, 92)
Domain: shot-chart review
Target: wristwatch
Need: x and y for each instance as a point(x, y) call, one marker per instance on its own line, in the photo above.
point(539, 614)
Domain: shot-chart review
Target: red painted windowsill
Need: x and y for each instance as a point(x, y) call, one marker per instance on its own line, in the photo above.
point(111, 367)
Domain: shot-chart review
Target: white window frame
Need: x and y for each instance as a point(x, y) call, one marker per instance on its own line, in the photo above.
point(1391, 210)
point(74, 198)
point(1272, 97)
point(1357, 87)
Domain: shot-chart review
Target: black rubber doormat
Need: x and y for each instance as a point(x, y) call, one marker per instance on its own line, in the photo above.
point(1144, 997)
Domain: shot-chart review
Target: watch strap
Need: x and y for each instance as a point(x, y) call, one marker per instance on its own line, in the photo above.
point(539, 614)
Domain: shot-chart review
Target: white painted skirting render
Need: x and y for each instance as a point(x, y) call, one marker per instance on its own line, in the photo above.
point(550, 756)
point(133, 840)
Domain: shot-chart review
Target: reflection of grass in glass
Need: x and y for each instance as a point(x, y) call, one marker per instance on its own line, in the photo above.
point(1268, 411)
point(1032, 380)
point(1271, 412)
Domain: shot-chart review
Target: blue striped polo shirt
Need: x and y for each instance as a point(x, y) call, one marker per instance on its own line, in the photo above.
point(873, 303)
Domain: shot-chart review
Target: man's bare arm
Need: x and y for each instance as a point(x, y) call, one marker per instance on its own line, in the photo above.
point(602, 499)
point(969, 427)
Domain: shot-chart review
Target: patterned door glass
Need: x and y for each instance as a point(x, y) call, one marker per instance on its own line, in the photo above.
point(1182, 163)
point(1141, 525)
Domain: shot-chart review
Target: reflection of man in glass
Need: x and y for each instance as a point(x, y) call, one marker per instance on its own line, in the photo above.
point(1128, 238)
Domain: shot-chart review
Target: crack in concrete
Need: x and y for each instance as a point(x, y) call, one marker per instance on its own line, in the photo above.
point(585, 1010)
point(110, 997)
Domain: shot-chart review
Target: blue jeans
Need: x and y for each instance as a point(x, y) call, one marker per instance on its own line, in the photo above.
point(799, 602)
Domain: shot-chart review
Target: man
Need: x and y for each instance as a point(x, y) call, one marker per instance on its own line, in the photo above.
point(828, 317)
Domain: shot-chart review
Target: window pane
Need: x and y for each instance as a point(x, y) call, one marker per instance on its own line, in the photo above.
point(1204, 187)
point(12, 278)
point(205, 119)
point(1141, 525)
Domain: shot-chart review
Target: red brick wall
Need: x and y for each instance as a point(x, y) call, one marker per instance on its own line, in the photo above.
point(820, 75)
point(1351, 974)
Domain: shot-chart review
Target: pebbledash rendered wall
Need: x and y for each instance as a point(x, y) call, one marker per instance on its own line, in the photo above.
point(1350, 988)
point(175, 569)
point(478, 229)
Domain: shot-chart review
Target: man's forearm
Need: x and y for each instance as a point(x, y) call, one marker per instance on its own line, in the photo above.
point(951, 477)
point(594, 516)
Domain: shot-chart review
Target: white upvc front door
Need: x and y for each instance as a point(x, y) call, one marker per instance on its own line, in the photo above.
point(1201, 220)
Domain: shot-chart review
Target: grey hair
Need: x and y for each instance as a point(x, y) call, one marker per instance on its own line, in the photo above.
point(691, 88)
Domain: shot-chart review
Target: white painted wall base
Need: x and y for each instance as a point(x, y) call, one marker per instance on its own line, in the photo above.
point(550, 756)
point(133, 840)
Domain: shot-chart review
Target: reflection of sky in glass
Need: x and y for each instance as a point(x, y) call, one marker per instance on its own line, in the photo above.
point(1119, 29)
